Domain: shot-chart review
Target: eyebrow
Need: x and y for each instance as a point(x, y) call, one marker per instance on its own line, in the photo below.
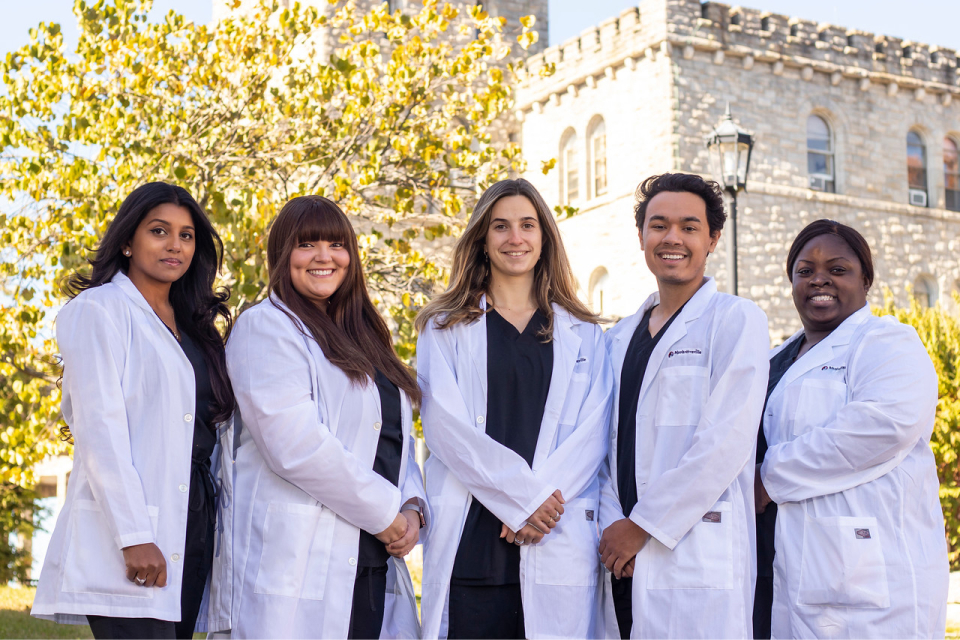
point(684, 219)
point(830, 260)
point(165, 223)
point(524, 219)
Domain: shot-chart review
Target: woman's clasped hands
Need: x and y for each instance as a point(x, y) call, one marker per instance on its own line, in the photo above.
point(538, 524)
point(402, 535)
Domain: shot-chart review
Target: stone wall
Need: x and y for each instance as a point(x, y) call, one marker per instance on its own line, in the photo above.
point(660, 76)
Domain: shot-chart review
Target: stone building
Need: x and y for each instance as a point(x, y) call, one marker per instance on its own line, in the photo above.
point(852, 126)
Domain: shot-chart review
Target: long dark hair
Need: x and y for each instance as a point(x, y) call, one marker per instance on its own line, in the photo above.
point(196, 304)
point(351, 333)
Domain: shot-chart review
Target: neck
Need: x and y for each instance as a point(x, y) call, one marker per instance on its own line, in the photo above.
point(675, 295)
point(512, 292)
point(156, 293)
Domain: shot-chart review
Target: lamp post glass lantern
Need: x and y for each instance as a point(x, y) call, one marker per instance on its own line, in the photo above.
point(729, 148)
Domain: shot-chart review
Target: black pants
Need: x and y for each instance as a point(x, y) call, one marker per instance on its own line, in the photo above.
point(762, 607)
point(121, 628)
point(369, 593)
point(623, 605)
point(488, 612)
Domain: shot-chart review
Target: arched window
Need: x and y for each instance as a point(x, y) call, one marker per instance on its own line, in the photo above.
point(951, 174)
point(569, 174)
point(599, 280)
point(820, 166)
point(597, 148)
point(925, 291)
point(917, 169)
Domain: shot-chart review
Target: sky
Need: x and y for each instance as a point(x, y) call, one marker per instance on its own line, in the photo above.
point(928, 21)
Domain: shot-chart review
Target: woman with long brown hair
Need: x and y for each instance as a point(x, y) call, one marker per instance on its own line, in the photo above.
point(329, 497)
point(515, 412)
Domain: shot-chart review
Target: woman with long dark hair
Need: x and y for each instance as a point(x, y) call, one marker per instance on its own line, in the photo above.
point(329, 497)
point(517, 397)
point(858, 527)
point(145, 387)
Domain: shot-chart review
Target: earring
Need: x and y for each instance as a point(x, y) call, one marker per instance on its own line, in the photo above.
point(127, 253)
point(486, 256)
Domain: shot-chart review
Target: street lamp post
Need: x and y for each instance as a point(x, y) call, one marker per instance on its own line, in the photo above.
point(729, 148)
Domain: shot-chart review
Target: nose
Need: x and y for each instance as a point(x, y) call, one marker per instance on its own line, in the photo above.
point(672, 236)
point(322, 254)
point(174, 245)
point(820, 278)
point(515, 237)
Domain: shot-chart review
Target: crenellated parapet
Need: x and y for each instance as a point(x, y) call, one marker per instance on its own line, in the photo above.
point(758, 40)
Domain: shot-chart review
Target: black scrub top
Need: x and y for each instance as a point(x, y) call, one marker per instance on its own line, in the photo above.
point(373, 553)
point(635, 363)
point(202, 515)
point(767, 521)
point(519, 367)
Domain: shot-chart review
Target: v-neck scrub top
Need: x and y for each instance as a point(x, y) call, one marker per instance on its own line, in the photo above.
point(519, 367)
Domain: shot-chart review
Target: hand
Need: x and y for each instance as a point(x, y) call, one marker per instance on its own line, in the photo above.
point(529, 534)
point(620, 543)
point(545, 518)
point(629, 567)
point(760, 496)
point(395, 531)
point(405, 545)
point(145, 562)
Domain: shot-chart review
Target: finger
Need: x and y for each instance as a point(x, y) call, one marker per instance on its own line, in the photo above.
point(559, 496)
point(150, 578)
point(503, 531)
point(510, 537)
point(602, 546)
point(131, 573)
point(618, 568)
point(609, 561)
point(628, 570)
point(162, 577)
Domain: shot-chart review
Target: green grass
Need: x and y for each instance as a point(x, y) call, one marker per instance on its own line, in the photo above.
point(15, 620)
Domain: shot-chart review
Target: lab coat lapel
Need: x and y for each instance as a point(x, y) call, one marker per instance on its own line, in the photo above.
point(824, 351)
point(476, 335)
point(675, 332)
point(566, 347)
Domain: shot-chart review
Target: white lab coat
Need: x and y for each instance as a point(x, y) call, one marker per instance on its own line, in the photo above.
point(860, 548)
point(128, 397)
point(558, 576)
point(697, 417)
point(305, 486)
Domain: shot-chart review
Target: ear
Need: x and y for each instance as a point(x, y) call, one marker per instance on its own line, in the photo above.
point(640, 235)
point(714, 239)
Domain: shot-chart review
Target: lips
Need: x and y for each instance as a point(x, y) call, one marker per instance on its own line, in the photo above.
point(515, 254)
point(320, 273)
point(173, 262)
point(671, 256)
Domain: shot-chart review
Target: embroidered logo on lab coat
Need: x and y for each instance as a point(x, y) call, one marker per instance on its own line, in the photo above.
point(579, 360)
point(827, 367)
point(680, 352)
point(589, 514)
point(862, 534)
point(711, 516)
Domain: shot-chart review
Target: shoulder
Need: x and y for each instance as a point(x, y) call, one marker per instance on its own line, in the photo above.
point(264, 319)
point(105, 303)
point(889, 332)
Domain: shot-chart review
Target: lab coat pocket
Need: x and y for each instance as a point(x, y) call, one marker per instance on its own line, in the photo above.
point(703, 559)
point(682, 393)
point(568, 555)
point(288, 535)
point(818, 403)
point(93, 563)
point(842, 564)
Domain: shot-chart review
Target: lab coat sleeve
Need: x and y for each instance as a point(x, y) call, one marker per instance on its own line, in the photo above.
point(498, 477)
point(610, 508)
point(573, 465)
point(413, 484)
point(892, 401)
point(725, 439)
point(94, 358)
point(268, 366)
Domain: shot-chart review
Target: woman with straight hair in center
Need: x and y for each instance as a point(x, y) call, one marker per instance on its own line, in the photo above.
point(329, 497)
point(517, 393)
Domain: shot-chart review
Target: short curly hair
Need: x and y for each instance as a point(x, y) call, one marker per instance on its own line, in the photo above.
point(708, 190)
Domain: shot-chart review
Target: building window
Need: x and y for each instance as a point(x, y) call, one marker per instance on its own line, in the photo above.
point(599, 280)
point(820, 165)
point(951, 174)
point(569, 174)
point(598, 158)
point(925, 291)
point(917, 169)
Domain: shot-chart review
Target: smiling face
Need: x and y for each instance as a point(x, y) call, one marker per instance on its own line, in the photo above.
point(317, 269)
point(162, 247)
point(828, 283)
point(676, 237)
point(514, 238)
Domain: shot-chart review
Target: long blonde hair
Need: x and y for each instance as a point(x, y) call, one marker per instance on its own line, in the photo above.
point(470, 277)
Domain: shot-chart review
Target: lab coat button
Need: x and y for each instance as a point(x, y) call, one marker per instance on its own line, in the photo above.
point(175, 557)
point(183, 488)
point(353, 561)
point(376, 426)
point(479, 419)
point(187, 418)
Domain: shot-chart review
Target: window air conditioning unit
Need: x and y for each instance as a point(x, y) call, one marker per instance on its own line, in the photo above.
point(818, 183)
point(918, 198)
